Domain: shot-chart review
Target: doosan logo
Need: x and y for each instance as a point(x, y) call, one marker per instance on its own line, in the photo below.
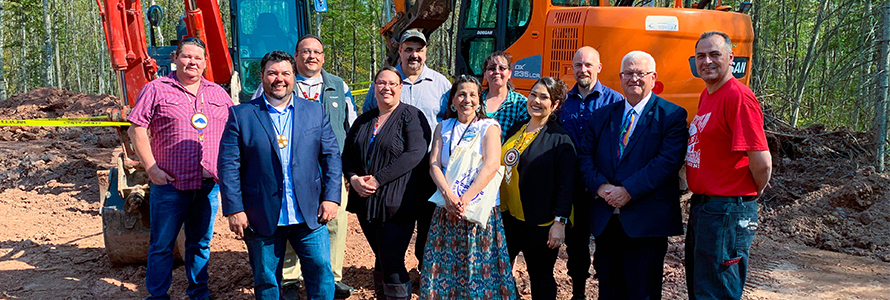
point(739, 67)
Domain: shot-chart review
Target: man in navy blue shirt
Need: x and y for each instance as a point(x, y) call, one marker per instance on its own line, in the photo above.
point(587, 95)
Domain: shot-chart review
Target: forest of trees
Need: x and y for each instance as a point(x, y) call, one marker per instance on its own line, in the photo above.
point(816, 61)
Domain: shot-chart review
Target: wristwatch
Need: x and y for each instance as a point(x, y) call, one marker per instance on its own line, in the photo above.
point(562, 220)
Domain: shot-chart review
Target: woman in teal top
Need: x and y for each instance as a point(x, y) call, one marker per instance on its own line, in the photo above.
point(501, 101)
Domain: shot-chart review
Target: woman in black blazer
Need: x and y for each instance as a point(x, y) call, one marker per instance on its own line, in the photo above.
point(536, 195)
point(383, 148)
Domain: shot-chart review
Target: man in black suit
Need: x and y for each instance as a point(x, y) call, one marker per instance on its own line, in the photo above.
point(631, 157)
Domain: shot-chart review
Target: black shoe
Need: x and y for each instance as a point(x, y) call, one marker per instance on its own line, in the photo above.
point(290, 290)
point(342, 291)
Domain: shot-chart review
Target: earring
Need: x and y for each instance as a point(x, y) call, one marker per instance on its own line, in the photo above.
point(452, 108)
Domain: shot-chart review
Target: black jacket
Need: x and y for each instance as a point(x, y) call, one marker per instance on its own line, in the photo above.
point(398, 150)
point(546, 174)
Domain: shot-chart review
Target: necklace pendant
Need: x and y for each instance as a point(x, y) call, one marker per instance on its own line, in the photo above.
point(282, 141)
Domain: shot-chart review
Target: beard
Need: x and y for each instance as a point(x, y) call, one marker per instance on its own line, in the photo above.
point(584, 83)
point(414, 64)
point(277, 94)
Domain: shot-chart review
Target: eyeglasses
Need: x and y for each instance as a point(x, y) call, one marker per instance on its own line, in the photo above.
point(496, 68)
point(381, 83)
point(310, 51)
point(632, 75)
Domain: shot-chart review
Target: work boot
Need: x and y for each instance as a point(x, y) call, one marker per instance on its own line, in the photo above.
point(400, 291)
point(342, 291)
point(290, 290)
point(378, 285)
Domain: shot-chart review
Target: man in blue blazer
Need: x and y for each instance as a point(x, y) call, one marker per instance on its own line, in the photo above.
point(279, 178)
point(631, 156)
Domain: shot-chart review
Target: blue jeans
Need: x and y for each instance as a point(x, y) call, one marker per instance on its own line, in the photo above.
point(170, 210)
point(718, 236)
point(312, 247)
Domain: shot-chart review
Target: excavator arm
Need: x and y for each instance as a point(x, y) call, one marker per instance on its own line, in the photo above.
point(424, 15)
point(125, 193)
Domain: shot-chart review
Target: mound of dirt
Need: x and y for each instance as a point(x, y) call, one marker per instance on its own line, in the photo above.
point(58, 103)
point(825, 192)
point(54, 156)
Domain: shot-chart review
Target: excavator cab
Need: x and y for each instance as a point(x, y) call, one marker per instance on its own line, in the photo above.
point(543, 35)
point(259, 27)
point(486, 26)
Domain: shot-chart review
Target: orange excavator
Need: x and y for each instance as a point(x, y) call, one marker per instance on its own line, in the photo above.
point(542, 36)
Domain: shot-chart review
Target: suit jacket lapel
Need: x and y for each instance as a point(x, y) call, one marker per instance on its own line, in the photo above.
point(296, 129)
point(616, 117)
point(642, 125)
point(262, 114)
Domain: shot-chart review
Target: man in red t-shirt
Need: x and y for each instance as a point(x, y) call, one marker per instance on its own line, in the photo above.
point(727, 167)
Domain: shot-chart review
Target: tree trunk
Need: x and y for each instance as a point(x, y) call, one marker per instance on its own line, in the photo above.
point(25, 80)
point(47, 46)
point(806, 66)
point(58, 60)
point(100, 59)
point(881, 107)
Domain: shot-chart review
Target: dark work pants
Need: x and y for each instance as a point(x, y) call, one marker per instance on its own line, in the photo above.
point(389, 240)
point(578, 246)
point(628, 268)
point(424, 211)
point(422, 185)
point(539, 259)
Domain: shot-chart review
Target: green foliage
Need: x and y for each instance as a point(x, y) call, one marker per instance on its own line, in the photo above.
point(839, 89)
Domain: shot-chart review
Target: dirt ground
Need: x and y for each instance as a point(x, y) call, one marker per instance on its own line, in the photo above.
point(824, 234)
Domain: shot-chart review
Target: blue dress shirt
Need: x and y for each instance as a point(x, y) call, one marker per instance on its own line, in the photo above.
point(576, 112)
point(283, 122)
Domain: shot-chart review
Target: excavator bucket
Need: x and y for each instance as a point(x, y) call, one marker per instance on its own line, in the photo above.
point(126, 222)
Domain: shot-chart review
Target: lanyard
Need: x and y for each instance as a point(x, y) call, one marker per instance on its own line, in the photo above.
point(462, 135)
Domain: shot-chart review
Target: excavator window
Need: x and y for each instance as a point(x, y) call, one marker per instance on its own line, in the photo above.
point(519, 13)
point(264, 26)
point(482, 14)
point(480, 48)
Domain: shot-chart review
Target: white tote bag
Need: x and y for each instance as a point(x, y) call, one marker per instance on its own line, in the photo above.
point(463, 167)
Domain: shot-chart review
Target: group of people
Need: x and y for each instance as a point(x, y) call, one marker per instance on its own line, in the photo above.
point(564, 164)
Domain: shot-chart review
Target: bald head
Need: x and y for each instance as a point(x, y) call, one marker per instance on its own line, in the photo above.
point(585, 67)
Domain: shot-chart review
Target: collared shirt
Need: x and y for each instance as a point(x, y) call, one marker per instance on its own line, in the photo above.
point(428, 93)
point(576, 111)
point(633, 125)
point(511, 111)
point(314, 89)
point(283, 120)
point(165, 107)
point(639, 111)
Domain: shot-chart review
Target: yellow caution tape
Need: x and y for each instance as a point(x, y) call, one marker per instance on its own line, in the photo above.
point(360, 92)
point(61, 123)
point(77, 118)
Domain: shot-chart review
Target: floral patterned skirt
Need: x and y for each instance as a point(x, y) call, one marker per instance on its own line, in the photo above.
point(462, 260)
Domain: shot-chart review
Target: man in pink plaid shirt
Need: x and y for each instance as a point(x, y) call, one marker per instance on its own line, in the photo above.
point(185, 115)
